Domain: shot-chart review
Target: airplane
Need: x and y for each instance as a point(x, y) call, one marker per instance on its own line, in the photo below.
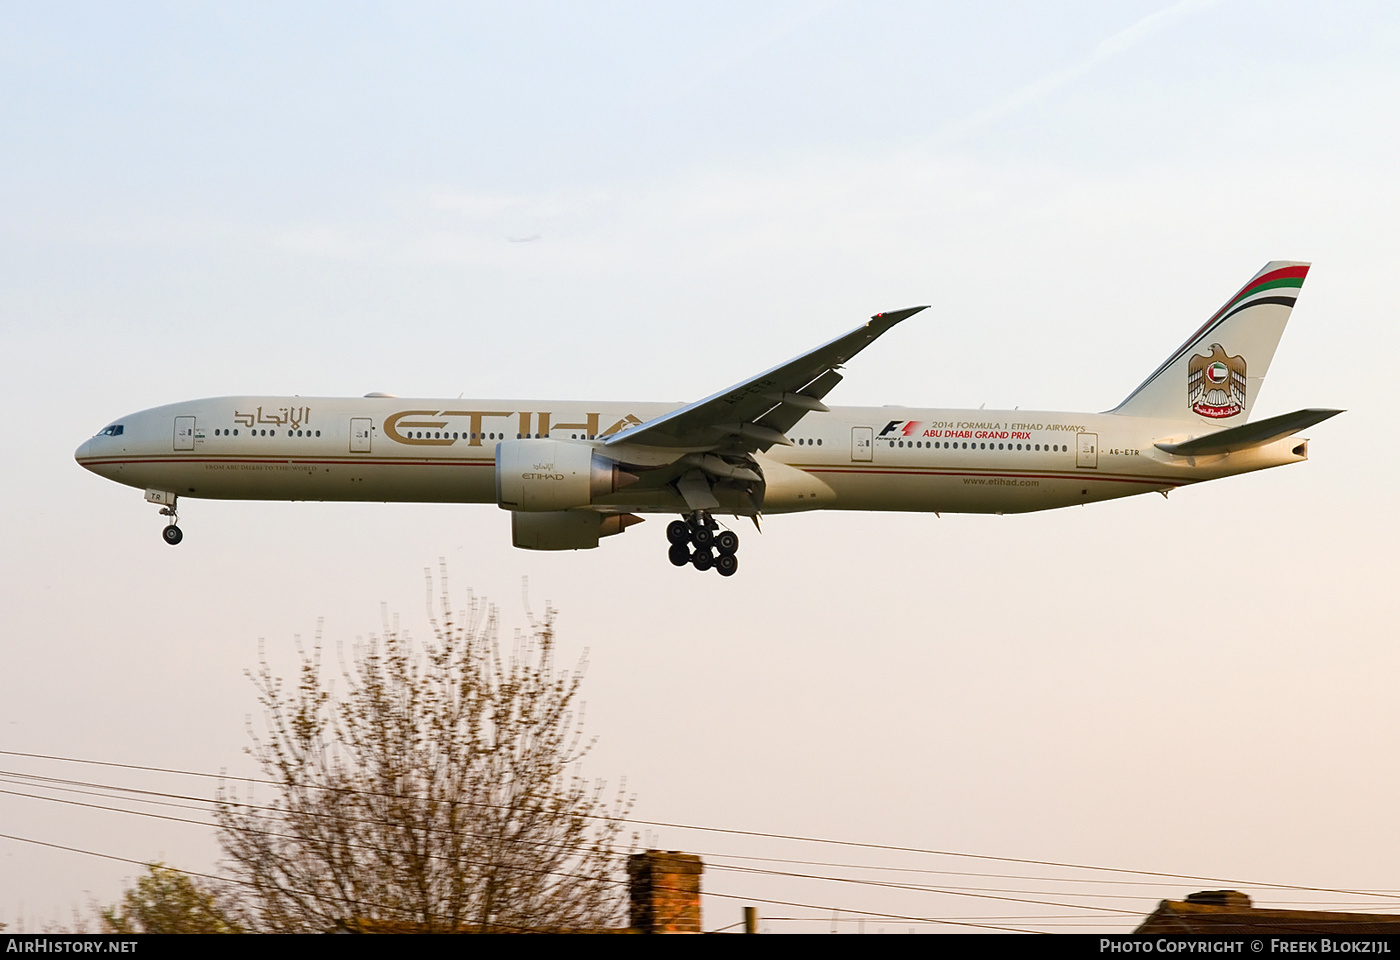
point(571, 473)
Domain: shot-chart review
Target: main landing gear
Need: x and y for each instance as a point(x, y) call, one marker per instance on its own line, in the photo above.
point(713, 547)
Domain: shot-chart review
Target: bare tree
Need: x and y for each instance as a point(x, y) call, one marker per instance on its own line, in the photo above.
point(439, 792)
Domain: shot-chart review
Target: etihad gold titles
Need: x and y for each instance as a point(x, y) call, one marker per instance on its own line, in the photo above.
point(571, 473)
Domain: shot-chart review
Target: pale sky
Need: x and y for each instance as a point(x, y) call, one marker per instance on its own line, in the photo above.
point(210, 199)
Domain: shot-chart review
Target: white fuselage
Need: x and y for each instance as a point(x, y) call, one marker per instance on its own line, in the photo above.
point(849, 458)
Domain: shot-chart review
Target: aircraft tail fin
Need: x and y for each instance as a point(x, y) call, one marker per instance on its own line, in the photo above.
point(1216, 374)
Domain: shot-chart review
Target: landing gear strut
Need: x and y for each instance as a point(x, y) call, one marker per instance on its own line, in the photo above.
point(713, 547)
point(172, 534)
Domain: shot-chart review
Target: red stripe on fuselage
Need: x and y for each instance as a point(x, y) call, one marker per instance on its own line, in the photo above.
point(377, 461)
point(401, 462)
point(931, 472)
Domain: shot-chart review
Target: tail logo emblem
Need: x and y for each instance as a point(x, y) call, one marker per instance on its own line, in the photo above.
point(1215, 384)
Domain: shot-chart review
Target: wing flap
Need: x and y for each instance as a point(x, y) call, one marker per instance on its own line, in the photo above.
point(695, 489)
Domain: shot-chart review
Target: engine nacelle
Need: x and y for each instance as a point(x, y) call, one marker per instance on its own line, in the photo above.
point(547, 475)
point(566, 529)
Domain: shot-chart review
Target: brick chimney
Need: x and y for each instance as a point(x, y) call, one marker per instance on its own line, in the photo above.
point(665, 887)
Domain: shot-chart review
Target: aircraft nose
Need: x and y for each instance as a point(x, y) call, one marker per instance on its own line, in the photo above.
point(83, 452)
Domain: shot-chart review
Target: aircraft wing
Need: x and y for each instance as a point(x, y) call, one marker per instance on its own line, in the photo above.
point(1248, 435)
point(757, 413)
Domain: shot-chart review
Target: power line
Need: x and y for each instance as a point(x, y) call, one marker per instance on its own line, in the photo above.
point(205, 876)
point(969, 922)
point(710, 893)
point(193, 873)
point(282, 836)
point(959, 893)
point(275, 817)
point(992, 893)
point(726, 831)
point(967, 892)
point(278, 816)
point(871, 913)
point(976, 893)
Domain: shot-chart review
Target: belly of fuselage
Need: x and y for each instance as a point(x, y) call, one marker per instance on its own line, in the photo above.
point(971, 489)
point(439, 480)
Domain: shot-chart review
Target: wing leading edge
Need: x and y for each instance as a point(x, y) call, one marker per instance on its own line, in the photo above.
point(757, 413)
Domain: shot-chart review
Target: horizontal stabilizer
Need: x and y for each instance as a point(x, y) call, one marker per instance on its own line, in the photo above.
point(1249, 434)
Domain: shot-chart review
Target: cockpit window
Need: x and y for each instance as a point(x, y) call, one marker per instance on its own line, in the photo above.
point(115, 430)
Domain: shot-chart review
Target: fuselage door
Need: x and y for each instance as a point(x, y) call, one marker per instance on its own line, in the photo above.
point(184, 433)
point(361, 432)
point(862, 443)
point(1088, 450)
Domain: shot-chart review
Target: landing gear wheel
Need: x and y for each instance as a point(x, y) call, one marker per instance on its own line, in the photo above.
point(703, 559)
point(727, 564)
point(172, 534)
point(678, 532)
point(680, 554)
point(727, 542)
point(703, 536)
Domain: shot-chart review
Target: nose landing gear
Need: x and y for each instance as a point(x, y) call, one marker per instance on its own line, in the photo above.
point(714, 548)
point(172, 534)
